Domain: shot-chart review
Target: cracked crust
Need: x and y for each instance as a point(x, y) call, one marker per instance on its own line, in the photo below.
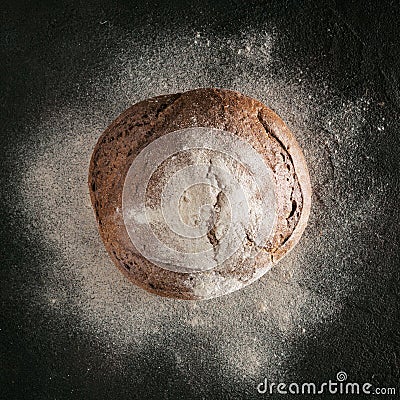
point(146, 121)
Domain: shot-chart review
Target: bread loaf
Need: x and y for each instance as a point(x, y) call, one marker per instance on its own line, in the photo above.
point(198, 194)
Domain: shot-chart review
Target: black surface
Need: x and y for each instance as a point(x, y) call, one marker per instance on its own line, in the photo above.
point(42, 64)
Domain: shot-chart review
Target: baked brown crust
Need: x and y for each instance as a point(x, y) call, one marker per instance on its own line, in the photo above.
point(226, 110)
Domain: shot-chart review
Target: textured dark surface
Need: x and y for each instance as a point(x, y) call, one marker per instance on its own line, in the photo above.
point(51, 51)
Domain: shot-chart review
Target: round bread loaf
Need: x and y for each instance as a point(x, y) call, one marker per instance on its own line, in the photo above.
point(198, 194)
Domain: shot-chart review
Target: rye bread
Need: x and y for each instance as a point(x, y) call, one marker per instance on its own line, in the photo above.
point(226, 110)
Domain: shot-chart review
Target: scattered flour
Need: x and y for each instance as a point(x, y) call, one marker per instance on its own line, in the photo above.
point(251, 330)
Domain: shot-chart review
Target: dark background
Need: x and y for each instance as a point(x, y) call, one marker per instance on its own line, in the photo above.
point(42, 64)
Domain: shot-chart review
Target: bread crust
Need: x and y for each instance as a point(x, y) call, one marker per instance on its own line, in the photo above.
point(226, 110)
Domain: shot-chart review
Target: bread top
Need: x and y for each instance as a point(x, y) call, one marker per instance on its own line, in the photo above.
point(201, 110)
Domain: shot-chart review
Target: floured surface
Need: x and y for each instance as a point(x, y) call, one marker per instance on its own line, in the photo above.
point(67, 221)
point(249, 334)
